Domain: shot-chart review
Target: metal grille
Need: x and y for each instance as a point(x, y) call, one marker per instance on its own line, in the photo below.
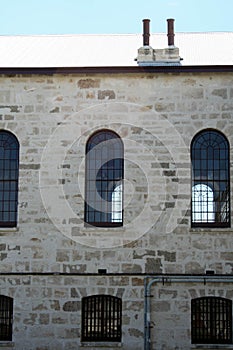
point(104, 176)
point(211, 320)
point(6, 316)
point(101, 318)
point(9, 169)
point(210, 180)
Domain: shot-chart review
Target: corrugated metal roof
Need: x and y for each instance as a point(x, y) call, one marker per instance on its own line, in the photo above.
point(110, 50)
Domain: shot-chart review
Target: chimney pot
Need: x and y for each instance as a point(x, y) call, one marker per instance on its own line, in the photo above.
point(146, 32)
point(170, 31)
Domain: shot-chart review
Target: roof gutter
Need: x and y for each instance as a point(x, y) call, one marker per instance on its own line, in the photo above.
point(114, 70)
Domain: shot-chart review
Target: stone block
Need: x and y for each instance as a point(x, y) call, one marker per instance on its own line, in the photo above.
point(88, 83)
point(72, 306)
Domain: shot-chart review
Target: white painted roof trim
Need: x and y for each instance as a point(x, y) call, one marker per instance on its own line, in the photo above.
point(84, 50)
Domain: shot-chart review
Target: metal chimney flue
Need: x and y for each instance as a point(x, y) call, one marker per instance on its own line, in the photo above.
point(149, 56)
point(146, 32)
point(170, 31)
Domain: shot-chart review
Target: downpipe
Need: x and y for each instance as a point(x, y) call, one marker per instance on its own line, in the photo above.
point(150, 280)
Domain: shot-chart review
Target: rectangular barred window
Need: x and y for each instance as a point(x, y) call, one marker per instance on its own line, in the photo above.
point(211, 320)
point(101, 318)
point(6, 316)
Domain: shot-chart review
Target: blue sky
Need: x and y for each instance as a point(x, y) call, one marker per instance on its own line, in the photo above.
point(107, 16)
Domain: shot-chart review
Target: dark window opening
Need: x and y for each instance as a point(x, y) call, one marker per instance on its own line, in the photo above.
point(6, 318)
point(211, 320)
point(9, 172)
point(101, 318)
point(210, 180)
point(104, 179)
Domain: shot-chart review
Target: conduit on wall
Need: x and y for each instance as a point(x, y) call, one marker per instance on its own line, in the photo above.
point(150, 280)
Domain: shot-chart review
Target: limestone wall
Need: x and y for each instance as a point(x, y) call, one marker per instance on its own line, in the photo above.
point(156, 115)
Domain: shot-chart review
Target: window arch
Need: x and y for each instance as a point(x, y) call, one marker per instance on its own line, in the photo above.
point(101, 318)
point(104, 176)
point(6, 317)
point(9, 173)
point(211, 320)
point(210, 180)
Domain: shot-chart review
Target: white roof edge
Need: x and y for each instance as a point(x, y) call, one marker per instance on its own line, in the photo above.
point(96, 50)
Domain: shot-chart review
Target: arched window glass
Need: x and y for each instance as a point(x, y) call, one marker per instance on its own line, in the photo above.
point(210, 180)
point(9, 173)
point(117, 204)
point(203, 203)
point(104, 176)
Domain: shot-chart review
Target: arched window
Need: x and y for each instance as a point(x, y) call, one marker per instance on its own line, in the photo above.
point(6, 317)
point(9, 172)
point(101, 318)
point(211, 320)
point(210, 180)
point(104, 176)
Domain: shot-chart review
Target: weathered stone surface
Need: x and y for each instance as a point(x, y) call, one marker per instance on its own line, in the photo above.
point(88, 83)
point(220, 92)
point(71, 306)
point(157, 116)
point(135, 333)
point(168, 256)
point(153, 265)
point(106, 95)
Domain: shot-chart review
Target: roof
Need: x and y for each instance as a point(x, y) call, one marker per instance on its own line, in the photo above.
point(84, 50)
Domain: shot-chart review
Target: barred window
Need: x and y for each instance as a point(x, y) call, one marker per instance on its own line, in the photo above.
point(6, 317)
point(9, 172)
point(101, 318)
point(210, 180)
point(211, 320)
point(104, 176)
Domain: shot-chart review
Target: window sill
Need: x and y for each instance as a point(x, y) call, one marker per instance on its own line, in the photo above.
point(96, 345)
point(7, 344)
point(212, 346)
point(211, 229)
point(8, 229)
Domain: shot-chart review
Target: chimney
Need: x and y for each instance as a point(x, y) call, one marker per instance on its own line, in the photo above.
point(146, 32)
point(170, 31)
point(146, 52)
point(147, 56)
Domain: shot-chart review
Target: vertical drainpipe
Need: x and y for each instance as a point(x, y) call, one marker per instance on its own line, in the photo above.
point(146, 316)
point(176, 279)
point(146, 32)
point(170, 31)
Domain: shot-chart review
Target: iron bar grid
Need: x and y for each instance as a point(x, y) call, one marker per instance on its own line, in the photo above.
point(211, 320)
point(6, 317)
point(101, 318)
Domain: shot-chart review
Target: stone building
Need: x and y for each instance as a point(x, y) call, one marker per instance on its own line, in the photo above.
point(115, 191)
